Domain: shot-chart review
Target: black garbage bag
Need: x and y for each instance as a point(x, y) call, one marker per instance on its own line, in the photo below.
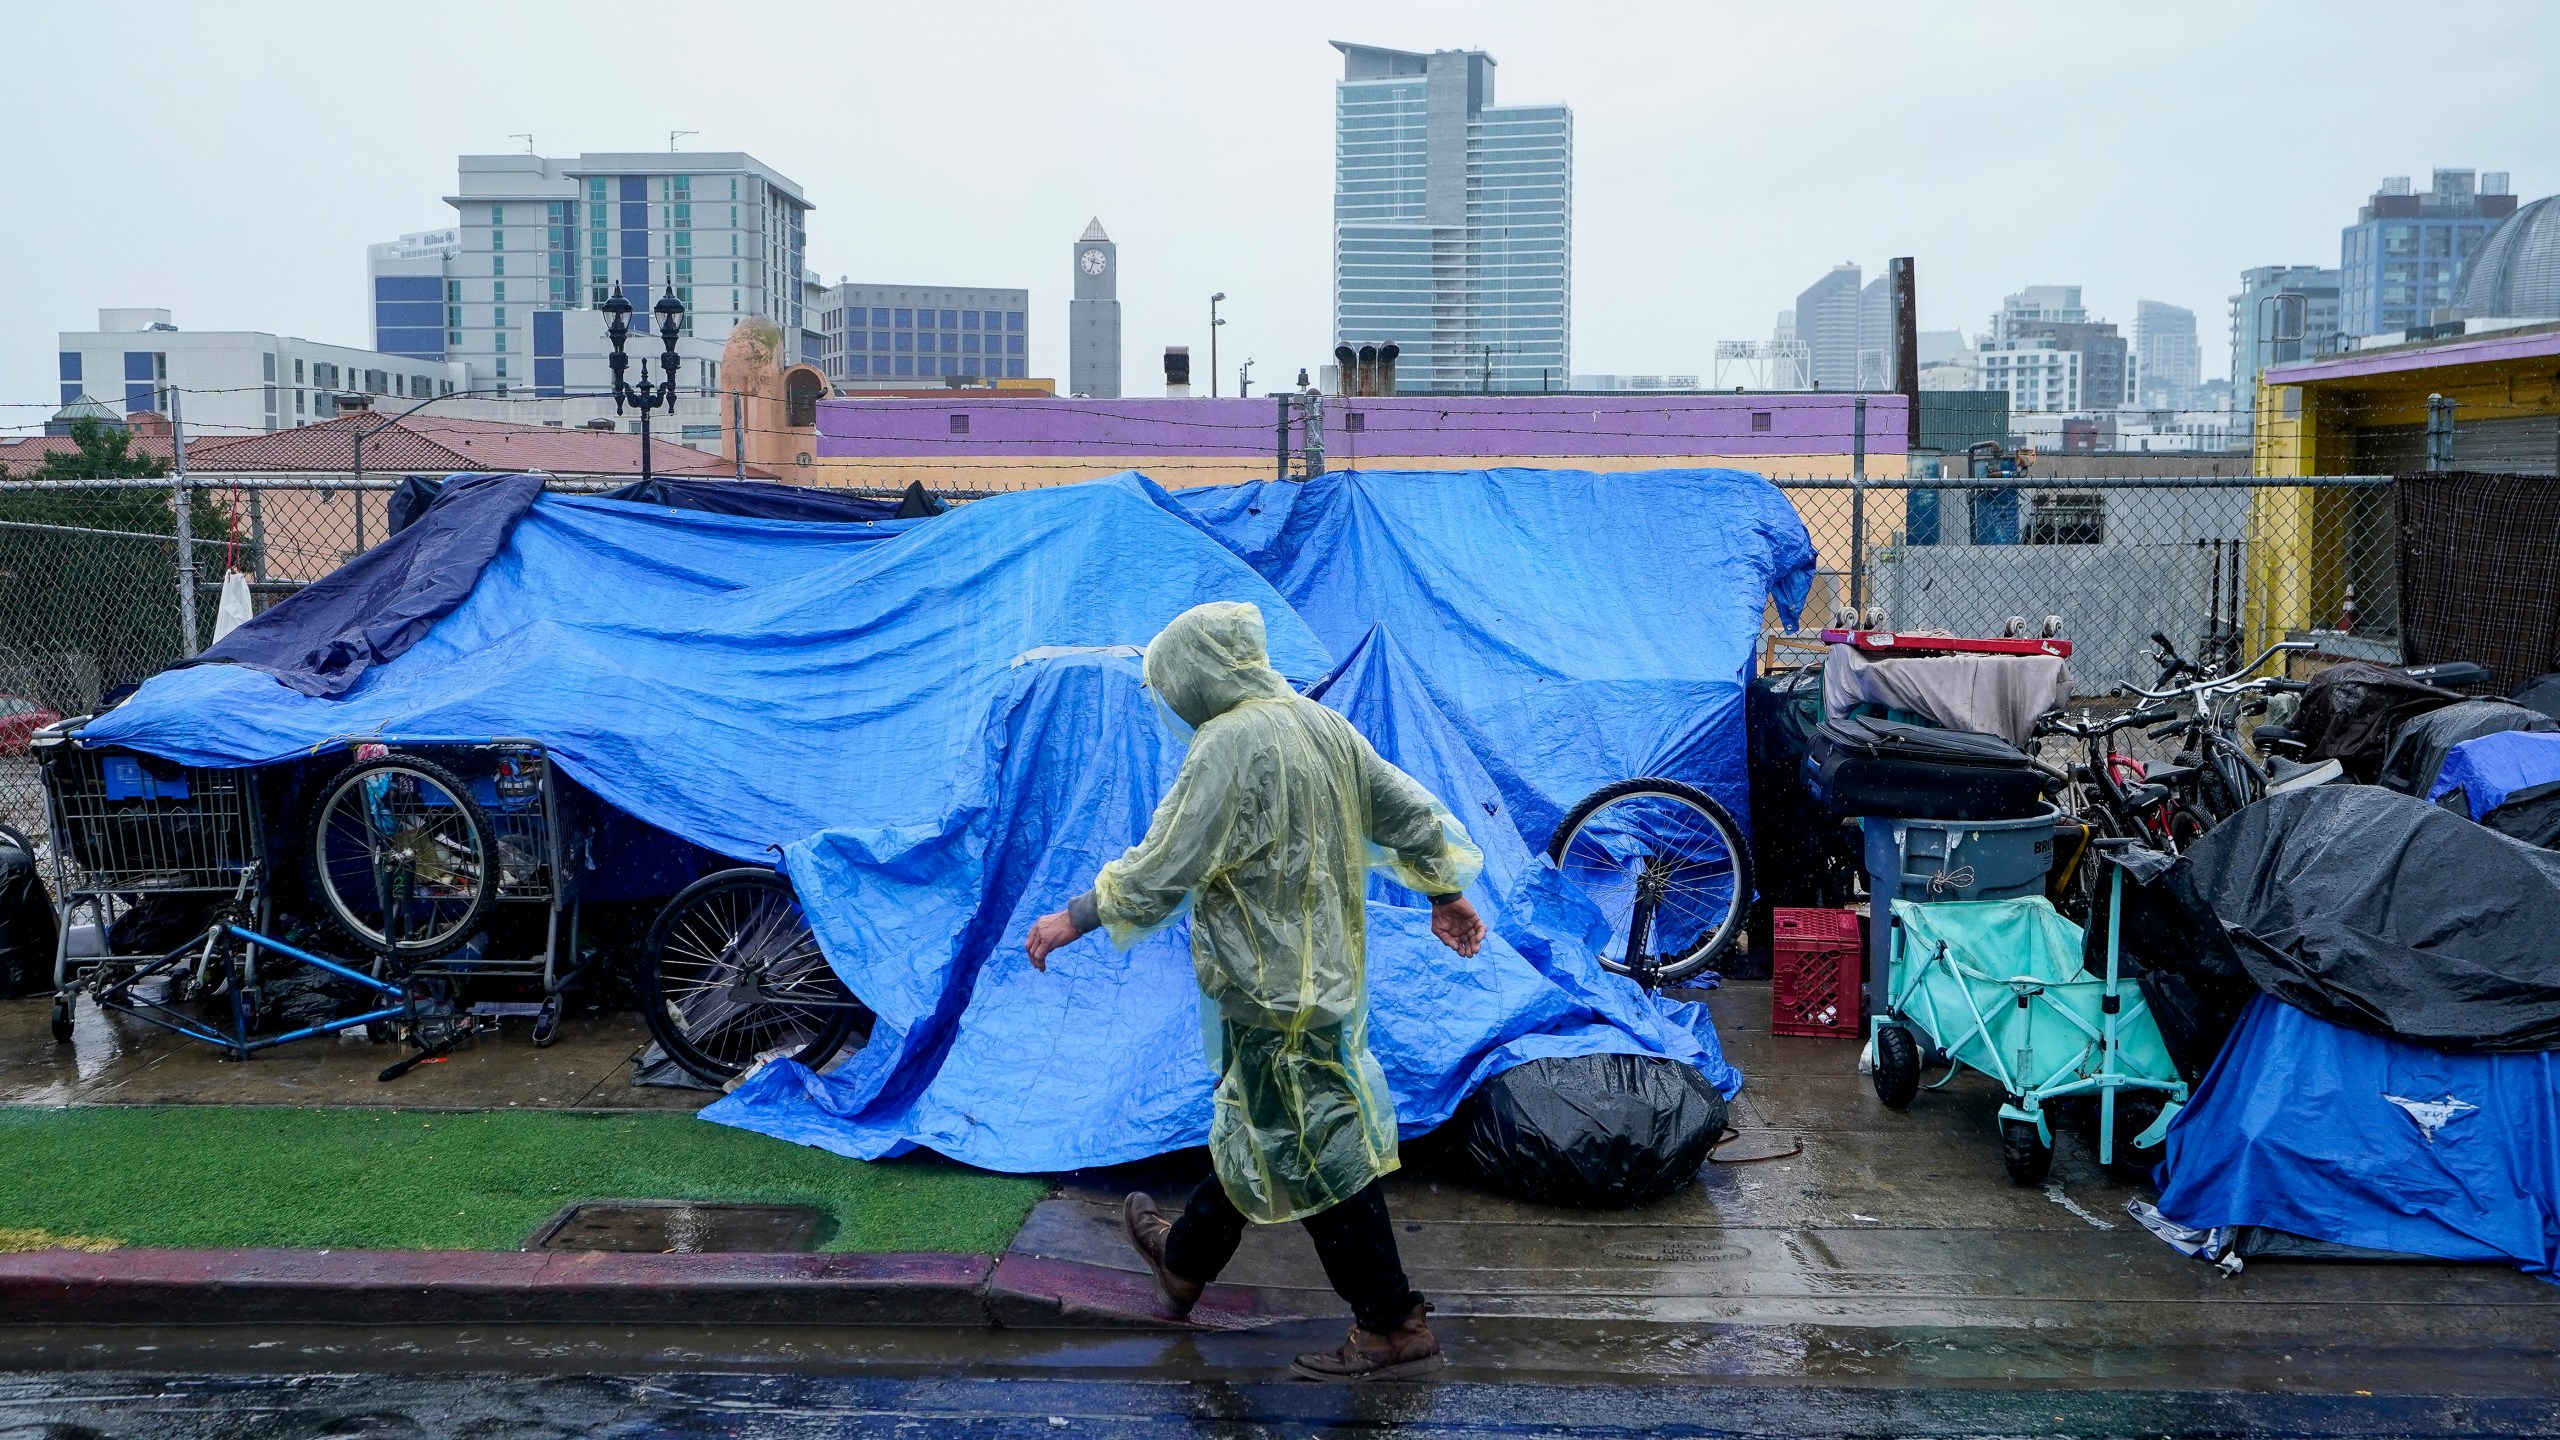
point(1591, 1132)
point(27, 921)
point(2541, 693)
point(2349, 712)
point(2175, 950)
point(2419, 746)
point(2384, 913)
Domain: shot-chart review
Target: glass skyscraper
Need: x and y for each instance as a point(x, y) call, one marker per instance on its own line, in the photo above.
point(1452, 223)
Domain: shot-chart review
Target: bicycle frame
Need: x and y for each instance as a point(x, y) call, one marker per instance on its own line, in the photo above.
point(210, 949)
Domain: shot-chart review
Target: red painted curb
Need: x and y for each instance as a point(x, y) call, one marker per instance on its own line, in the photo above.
point(1028, 1292)
point(376, 1287)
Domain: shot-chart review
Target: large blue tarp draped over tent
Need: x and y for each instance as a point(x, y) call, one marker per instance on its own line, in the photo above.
point(2366, 1140)
point(924, 721)
point(1587, 627)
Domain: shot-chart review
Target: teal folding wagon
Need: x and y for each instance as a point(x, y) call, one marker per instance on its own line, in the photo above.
point(1999, 986)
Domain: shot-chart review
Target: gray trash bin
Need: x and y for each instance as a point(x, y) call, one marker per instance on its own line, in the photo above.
point(1923, 860)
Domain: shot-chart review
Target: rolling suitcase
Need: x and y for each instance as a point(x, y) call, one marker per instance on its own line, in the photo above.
point(1859, 765)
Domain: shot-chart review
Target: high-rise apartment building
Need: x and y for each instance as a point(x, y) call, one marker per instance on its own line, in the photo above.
point(540, 243)
point(2166, 354)
point(2108, 373)
point(1829, 316)
point(1452, 222)
point(901, 336)
point(1093, 316)
point(2403, 258)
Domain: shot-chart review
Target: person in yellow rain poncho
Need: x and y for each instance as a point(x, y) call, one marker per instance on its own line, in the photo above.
point(1266, 840)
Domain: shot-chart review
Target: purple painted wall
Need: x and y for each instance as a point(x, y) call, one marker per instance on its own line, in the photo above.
point(1452, 427)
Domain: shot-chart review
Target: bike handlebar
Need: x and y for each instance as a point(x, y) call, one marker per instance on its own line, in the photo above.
point(2231, 681)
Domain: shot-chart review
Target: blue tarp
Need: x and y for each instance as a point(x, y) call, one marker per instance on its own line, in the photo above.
point(2493, 767)
point(889, 705)
point(2365, 1140)
point(981, 1058)
point(1585, 627)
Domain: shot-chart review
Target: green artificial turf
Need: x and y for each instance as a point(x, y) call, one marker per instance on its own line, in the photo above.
point(207, 1176)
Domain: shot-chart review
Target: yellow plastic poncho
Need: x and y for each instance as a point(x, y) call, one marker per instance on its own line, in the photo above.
point(1267, 836)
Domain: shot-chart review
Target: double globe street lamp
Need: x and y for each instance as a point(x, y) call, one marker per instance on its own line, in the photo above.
point(644, 396)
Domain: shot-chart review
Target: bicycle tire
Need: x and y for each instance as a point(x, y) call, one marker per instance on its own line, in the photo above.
point(688, 963)
point(338, 819)
point(1589, 848)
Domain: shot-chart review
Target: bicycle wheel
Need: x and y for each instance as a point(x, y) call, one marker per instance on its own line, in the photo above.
point(1666, 865)
point(401, 857)
point(730, 971)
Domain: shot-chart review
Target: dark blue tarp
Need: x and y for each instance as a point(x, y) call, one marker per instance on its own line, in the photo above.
point(765, 500)
point(2365, 1140)
point(903, 711)
point(323, 638)
point(1588, 627)
point(2494, 767)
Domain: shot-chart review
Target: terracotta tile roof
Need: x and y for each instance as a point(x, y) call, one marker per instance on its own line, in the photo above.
point(423, 444)
point(433, 445)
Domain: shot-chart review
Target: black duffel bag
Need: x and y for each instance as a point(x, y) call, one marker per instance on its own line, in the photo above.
point(1859, 765)
point(1593, 1132)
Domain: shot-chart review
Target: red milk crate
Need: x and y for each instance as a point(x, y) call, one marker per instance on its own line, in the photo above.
point(1817, 973)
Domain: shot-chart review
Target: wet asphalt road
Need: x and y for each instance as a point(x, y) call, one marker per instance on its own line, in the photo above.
point(83, 1406)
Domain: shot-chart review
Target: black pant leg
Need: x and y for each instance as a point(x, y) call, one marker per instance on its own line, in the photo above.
point(1205, 1235)
point(1357, 1243)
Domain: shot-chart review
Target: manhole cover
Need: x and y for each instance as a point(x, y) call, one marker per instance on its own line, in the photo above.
point(660, 1227)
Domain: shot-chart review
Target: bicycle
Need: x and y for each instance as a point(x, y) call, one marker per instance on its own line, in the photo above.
point(2218, 776)
point(731, 973)
point(1666, 865)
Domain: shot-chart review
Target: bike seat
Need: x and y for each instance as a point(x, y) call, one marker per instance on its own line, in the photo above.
point(2143, 797)
point(2167, 775)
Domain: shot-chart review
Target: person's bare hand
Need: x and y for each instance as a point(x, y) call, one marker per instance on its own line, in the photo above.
point(1455, 921)
point(1047, 934)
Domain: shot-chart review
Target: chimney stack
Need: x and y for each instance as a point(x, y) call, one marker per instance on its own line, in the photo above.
point(1177, 369)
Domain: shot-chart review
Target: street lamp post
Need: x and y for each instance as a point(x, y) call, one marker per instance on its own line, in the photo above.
point(1214, 323)
point(644, 396)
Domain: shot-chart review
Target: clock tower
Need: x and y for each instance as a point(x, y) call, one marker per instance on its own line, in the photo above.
point(1093, 317)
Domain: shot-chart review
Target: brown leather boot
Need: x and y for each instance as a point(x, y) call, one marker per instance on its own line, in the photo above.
point(1408, 1350)
point(1147, 1229)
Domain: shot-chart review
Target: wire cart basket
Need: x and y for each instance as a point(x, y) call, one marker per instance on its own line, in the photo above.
point(128, 828)
point(433, 850)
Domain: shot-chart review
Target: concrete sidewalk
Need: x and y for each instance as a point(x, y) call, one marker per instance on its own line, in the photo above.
point(1890, 1248)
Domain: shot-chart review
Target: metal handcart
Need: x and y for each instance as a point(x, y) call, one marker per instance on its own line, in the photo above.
point(2002, 987)
point(432, 849)
point(128, 829)
point(418, 860)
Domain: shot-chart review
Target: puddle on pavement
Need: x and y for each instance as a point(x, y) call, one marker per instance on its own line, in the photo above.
point(666, 1227)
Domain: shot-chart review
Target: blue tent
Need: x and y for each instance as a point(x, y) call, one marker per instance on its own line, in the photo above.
point(925, 722)
point(2365, 1140)
point(1586, 627)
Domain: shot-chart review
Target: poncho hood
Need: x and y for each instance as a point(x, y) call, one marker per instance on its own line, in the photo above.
point(1211, 659)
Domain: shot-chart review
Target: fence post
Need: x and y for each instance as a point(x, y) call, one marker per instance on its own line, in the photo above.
point(1315, 433)
point(1280, 463)
point(186, 529)
point(1858, 513)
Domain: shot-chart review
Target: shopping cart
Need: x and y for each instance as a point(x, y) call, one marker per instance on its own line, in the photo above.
point(2001, 986)
point(451, 857)
point(133, 837)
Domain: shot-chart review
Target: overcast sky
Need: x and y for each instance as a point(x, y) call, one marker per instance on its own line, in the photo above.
point(231, 162)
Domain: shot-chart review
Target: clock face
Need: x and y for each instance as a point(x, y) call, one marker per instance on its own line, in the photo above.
point(1093, 261)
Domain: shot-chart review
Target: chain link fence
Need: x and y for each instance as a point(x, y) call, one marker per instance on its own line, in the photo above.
point(2223, 567)
point(90, 590)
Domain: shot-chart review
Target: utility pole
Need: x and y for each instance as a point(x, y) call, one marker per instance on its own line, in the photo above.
point(1280, 460)
point(185, 500)
point(1214, 323)
point(1244, 379)
point(1858, 512)
point(1906, 345)
point(1315, 432)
